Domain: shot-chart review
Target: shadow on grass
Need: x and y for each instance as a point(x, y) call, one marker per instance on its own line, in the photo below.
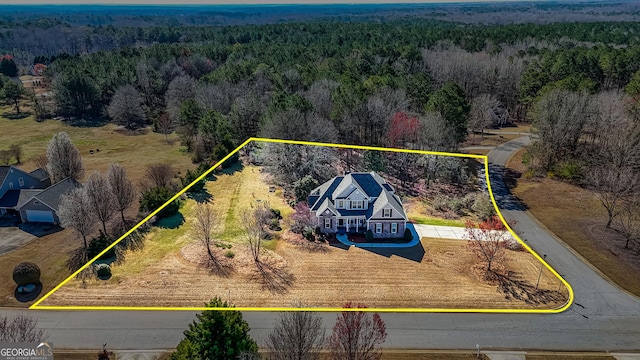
point(201, 197)
point(220, 267)
point(86, 123)
point(514, 287)
point(39, 229)
point(28, 296)
point(234, 168)
point(273, 277)
point(14, 116)
point(414, 253)
point(171, 222)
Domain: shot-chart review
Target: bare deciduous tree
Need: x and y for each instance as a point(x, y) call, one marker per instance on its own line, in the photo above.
point(63, 158)
point(101, 198)
point(5, 157)
point(628, 220)
point(126, 108)
point(164, 126)
point(254, 222)
point(357, 335)
point(320, 94)
point(16, 152)
point(206, 221)
point(75, 211)
point(21, 328)
point(612, 185)
point(40, 161)
point(121, 187)
point(485, 111)
point(180, 89)
point(297, 335)
point(159, 175)
point(559, 119)
point(486, 240)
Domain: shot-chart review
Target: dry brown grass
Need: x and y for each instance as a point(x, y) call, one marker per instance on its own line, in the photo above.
point(133, 152)
point(437, 274)
point(577, 217)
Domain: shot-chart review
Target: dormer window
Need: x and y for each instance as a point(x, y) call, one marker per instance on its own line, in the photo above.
point(386, 212)
point(21, 182)
point(11, 185)
point(340, 204)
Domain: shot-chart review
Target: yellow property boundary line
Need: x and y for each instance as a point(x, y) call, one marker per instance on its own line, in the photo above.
point(37, 305)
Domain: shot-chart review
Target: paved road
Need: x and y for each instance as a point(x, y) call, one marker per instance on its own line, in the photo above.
point(603, 318)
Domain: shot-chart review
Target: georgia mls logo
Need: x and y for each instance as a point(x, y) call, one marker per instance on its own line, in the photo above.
point(26, 351)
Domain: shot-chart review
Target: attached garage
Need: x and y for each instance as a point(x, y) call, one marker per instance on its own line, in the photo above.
point(43, 216)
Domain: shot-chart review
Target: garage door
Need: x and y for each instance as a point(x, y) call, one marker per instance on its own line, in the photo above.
point(39, 216)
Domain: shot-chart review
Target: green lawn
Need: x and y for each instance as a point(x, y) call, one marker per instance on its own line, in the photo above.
point(428, 220)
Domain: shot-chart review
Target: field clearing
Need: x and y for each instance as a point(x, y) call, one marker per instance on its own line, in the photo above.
point(133, 152)
point(576, 216)
point(495, 137)
point(438, 273)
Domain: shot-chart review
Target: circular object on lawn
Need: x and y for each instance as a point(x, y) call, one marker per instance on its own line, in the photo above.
point(25, 296)
point(21, 289)
point(26, 273)
point(29, 287)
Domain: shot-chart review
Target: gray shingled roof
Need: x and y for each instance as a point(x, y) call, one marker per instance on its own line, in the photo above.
point(39, 174)
point(53, 194)
point(324, 191)
point(371, 184)
point(387, 198)
point(348, 179)
point(26, 195)
point(4, 170)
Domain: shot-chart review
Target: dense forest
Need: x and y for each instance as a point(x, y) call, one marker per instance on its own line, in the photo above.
point(405, 82)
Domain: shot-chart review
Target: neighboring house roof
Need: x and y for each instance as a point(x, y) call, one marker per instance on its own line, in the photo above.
point(6, 57)
point(52, 195)
point(4, 171)
point(370, 184)
point(39, 174)
point(26, 195)
point(9, 199)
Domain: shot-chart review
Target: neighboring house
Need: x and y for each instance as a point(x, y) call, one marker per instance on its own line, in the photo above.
point(357, 202)
point(43, 205)
point(31, 195)
point(37, 69)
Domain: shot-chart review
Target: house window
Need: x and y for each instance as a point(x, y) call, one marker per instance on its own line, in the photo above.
point(394, 228)
point(327, 223)
point(378, 228)
point(21, 182)
point(341, 222)
point(357, 204)
point(386, 212)
point(340, 204)
point(36, 202)
point(11, 185)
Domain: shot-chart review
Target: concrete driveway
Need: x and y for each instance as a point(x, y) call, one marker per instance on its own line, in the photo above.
point(11, 236)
